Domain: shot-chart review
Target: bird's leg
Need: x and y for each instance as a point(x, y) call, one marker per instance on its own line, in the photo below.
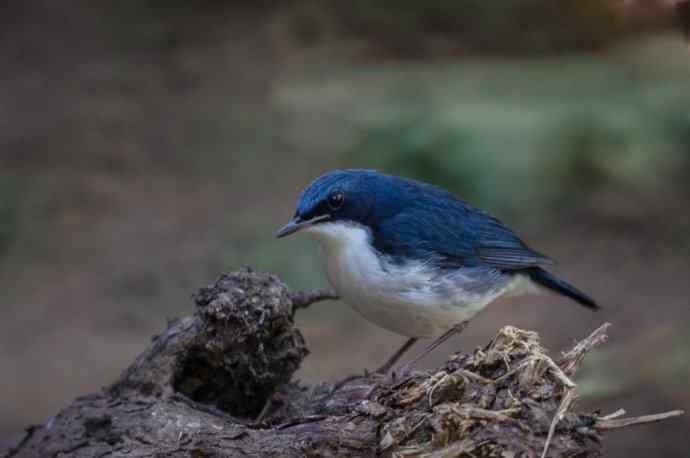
point(383, 370)
point(457, 329)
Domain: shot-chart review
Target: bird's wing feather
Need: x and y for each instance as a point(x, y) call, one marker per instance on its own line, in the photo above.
point(456, 233)
point(500, 247)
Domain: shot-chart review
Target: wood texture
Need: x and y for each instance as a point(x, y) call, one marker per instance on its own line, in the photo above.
point(219, 383)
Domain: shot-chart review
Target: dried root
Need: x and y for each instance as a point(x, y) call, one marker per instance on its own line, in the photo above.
point(508, 399)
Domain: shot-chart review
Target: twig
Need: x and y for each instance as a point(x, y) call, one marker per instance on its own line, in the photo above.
point(609, 423)
point(27, 437)
point(430, 394)
point(560, 413)
point(617, 414)
point(553, 367)
point(558, 373)
point(511, 372)
point(473, 376)
point(483, 414)
point(303, 299)
point(573, 359)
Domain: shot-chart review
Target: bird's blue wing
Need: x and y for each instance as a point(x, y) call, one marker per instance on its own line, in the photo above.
point(454, 233)
point(500, 247)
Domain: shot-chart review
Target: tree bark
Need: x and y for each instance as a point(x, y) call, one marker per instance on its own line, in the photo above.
point(218, 383)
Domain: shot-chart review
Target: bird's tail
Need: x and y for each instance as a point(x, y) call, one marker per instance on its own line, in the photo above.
point(551, 282)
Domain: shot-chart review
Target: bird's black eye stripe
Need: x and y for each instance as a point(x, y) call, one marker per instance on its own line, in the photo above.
point(336, 200)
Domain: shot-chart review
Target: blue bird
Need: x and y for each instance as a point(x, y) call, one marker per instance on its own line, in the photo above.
point(414, 258)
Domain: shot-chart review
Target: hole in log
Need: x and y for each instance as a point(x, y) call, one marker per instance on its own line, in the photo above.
point(210, 382)
point(245, 348)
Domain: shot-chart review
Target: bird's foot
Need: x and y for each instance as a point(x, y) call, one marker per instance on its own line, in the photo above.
point(376, 376)
point(403, 373)
point(380, 377)
point(391, 381)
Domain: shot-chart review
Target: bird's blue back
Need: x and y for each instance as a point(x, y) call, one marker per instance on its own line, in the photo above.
point(409, 219)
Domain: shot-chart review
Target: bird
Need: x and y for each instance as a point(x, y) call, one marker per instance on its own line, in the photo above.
point(414, 258)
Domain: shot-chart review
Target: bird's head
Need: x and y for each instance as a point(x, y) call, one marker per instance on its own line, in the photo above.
point(348, 197)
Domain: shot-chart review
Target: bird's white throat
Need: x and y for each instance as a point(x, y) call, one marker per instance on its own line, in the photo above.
point(336, 236)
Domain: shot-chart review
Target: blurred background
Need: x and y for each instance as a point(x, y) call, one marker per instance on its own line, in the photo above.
point(148, 146)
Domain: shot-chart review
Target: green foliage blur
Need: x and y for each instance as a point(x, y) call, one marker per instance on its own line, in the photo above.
point(512, 145)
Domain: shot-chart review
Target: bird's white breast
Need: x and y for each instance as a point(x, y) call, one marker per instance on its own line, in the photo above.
point(412, 299)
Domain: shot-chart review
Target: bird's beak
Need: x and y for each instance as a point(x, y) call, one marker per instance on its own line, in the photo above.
point(297, 224)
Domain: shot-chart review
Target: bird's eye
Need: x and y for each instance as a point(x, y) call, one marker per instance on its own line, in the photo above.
point(336, 200)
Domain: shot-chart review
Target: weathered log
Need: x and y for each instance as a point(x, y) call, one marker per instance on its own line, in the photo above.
point(218, 383)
